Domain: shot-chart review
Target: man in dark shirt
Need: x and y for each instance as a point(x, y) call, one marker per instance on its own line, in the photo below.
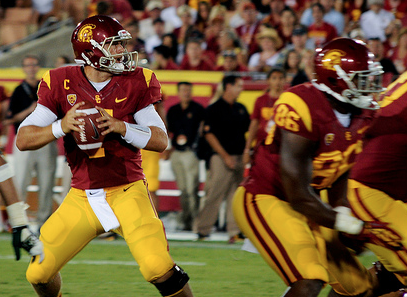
point(184, 120)
point(225, 125)
point(22, 102)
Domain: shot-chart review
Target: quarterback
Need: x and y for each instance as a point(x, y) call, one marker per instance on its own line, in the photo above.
point(377, 185)
point(293, 203)
point(108, 190)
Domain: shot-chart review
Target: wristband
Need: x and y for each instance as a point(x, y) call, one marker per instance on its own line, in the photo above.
point(57, 129)
point(17, 215)
point(347, 223)
point(137, 135)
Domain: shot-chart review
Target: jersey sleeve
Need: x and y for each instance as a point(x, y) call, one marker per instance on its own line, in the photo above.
point(45, 92)
point(293, 114)
point(153, 93)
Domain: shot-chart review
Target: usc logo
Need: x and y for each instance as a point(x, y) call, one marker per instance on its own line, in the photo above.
point(332, 58)
point(85, 33)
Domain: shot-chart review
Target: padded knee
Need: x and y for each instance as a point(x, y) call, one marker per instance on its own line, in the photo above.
point(35, 274)
point(174, 284)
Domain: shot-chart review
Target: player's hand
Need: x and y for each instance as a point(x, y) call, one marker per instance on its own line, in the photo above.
point(374, 232)
point(69, 122)
point(24, 238)
point(110, 124)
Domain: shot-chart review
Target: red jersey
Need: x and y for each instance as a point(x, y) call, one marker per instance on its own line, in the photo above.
point(305, 111)
point(263, 112)
point(383, 163)
point(117, 162)
point(322, 34)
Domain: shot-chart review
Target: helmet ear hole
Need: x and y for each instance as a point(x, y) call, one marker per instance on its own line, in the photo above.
point(333, 81)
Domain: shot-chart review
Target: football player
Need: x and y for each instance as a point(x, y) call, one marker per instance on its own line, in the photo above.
point(108, 190)
point(377, 189)
point(17, 216)
point(294, 200)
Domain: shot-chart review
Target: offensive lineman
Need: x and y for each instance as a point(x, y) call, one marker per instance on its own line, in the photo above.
point(307, 154)
point(377, 187)
point(109, 189)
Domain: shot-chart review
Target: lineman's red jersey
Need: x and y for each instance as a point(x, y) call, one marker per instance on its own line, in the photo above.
point(263, 112)
point(305, 111)
point(118, 162)
point(383, 163)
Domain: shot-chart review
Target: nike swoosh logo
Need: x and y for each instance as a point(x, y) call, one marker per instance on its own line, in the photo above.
point(97, 135)
point(125, 189)
point(90, 193)
point(117, 100)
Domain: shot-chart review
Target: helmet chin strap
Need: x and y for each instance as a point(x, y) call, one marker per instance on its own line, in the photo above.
point(360, 101)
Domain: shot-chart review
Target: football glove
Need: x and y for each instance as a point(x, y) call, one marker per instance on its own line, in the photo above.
point(24, 238)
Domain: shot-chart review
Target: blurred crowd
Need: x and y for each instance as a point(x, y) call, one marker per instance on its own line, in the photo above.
point(241, 35)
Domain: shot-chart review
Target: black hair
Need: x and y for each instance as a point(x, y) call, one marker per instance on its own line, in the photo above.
point(275, 69)
point(163, 50)
point(187, 83)
point(229, 80)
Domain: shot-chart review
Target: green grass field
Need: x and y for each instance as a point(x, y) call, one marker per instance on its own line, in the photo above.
point(107, 269)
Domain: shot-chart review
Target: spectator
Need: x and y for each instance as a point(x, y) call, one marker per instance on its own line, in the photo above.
point(184, 13)
point(375, 21)
point(213, 34)
point(194, 59)
point(299, 42)
point(163, 59)
point(307, 67)
point(171, 42)
point(261, 117)
point(48, 11)
point(153, 10)
point(248, 31)
point(399, 56)
point(169, 13)
point(276, 8)
point(331, 16)
point(229, 41)
point(119, 9)
point(136, 43)
point(231, 63)
point(225, 125)
point(269, 42)
point(320, 31)
point(392, 34)
point(42, 161)
point(155, 39)
point(390, 71)
point(287, 22)
point(202, 19)
point(184, 124)
point(292, 67)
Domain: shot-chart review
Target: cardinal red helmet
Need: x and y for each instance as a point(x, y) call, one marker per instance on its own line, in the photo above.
point(346, 70)
point(92, 40)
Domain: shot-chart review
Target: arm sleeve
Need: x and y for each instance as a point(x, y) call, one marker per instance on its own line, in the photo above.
point(41, 117)
point(148, 116)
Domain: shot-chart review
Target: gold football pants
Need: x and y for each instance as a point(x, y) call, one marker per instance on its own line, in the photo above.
point(295, 248)
point(73, 225)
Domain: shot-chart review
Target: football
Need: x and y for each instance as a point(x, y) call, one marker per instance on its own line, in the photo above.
point(90, 139)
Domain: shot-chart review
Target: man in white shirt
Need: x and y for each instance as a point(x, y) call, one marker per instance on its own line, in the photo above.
point(374, 21)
